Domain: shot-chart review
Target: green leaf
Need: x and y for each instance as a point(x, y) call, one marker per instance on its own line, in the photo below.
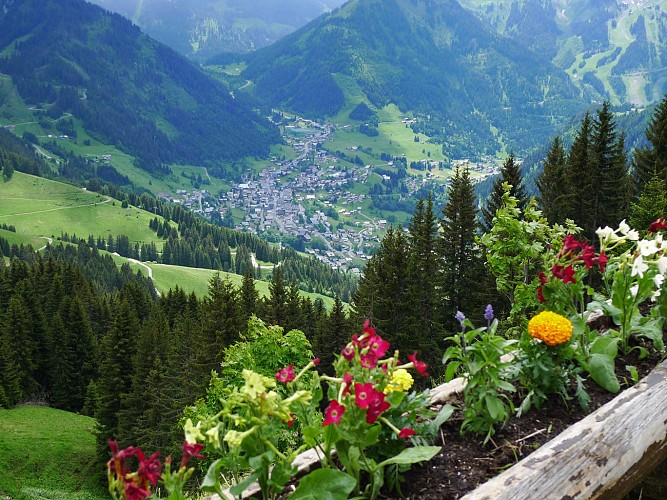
point(652, 329)
point(372, 435)
point(443, 415)
point(324, 484)
point(601, 369)
point(450, 371)
point(239, 488)
point(413, 455)
point(605, 345)
point(633, 372)
point(494, 406)
point(211, 480)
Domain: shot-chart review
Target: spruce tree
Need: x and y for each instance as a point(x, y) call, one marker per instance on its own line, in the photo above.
point(462, 264)
point(580, 176)
point(10, 373)
point(64, 367)
point(509, 173)
point(223, 320)
point(277, 302)
point(551, 183)
point(652, 159)
point(331, 337)
point(18, 330)
point(249, 295)
point(651, 204)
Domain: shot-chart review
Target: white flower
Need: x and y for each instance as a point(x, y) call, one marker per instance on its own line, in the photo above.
point(623, 227)
point(647, 247)
point(606, 234)
point(632, 235)
point(633, 290)
point(662, 265)
point(639, 267)
point(658, 279)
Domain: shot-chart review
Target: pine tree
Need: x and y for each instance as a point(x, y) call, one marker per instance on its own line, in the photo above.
point(331, 337)
point(422, 269)
point(580, 176)
point(611, 203)
point(223, 320)
point(551, 183)
point(652, 159)
point(651, 204)
point(462, 264)
point(278, 298)
point(10, 373)
point(510, 173)
point(18, 330)
point(249, 295)
point(64, 366)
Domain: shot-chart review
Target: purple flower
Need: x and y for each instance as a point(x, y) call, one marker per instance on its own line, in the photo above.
point(460, 317)
point(488, 314)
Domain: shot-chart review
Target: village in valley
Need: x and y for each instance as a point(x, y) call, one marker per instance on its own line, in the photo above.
point(311, 198)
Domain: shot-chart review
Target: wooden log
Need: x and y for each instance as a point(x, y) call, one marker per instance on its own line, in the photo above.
point(602, 456)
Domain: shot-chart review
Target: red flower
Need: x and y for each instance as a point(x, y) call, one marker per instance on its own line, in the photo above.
point(286, 374)
point(406, 432)
point(364, 394)
point(568, 275)
point(542, 277)
point(588, 255)
point(347, 380)
point(348, 352)
point(420, 366)
point(134, 492)
point(316, 361)
point(369, 361)
point(602, 261)
point(151, 469)
point(333, 413)
point(540, 295)
point(377, 406)
point(658, 225)
point(378, 346)
point(191, 451)
point(117, 463)
point(570, 244)
point(290, 422)
point(367, 328)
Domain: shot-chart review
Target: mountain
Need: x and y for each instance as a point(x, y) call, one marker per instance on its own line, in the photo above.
point(200, 29)
point(69, 58)
point(472, 89)
point(613, 47)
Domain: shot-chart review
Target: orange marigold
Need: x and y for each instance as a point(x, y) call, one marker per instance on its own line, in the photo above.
point(550, 327)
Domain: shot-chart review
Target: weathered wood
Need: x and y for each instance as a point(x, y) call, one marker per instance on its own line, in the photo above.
point(601, 456)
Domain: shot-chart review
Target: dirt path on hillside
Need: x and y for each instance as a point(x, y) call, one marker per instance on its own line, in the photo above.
point(108, 199)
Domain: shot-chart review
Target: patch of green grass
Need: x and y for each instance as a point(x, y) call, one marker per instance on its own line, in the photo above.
point(48, 454)
point(25, 239)
point(41, 207)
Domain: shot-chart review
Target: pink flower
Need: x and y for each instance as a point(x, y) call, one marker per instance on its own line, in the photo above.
point(377, 406)
point(406, 433)
point(420, 366)
point(378, 346)
point(333, 413)
point(368, 329)
point(286, 374)
point(191, 451)
point(363, 394)
point(316, 361)
point(369, 361)
point(151, 469)
point(347, 380)
point(348, 352)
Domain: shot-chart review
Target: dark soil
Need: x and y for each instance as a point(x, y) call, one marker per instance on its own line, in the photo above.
point(463, 464)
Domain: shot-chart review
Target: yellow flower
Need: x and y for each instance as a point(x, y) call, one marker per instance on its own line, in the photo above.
point(550, 327)
point(193, 432)
point(401, 380)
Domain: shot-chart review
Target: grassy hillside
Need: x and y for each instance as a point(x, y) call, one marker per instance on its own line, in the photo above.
point(48, 454)
point(41, 209)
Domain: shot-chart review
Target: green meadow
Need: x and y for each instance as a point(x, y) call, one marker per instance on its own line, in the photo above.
point(48, 454)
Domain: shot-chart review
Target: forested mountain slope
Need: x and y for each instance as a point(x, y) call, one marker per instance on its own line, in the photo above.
point(69, 56)
point(473, 89)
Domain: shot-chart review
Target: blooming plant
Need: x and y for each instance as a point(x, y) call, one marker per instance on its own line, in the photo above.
point(371, 418)
point(136, 485)
point(477, 354)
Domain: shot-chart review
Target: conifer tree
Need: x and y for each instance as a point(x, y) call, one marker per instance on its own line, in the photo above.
point(652, 159)
point(64, 366)
point(580, 176)
point(462, 264)
point(277, 302)
point(223, 321)
point(651, 204)
point(10, 373)
point(551, 183)
point(18, 329)
point(422, 269)
point(331, 337)
point(509, 173)
point(249, 295)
